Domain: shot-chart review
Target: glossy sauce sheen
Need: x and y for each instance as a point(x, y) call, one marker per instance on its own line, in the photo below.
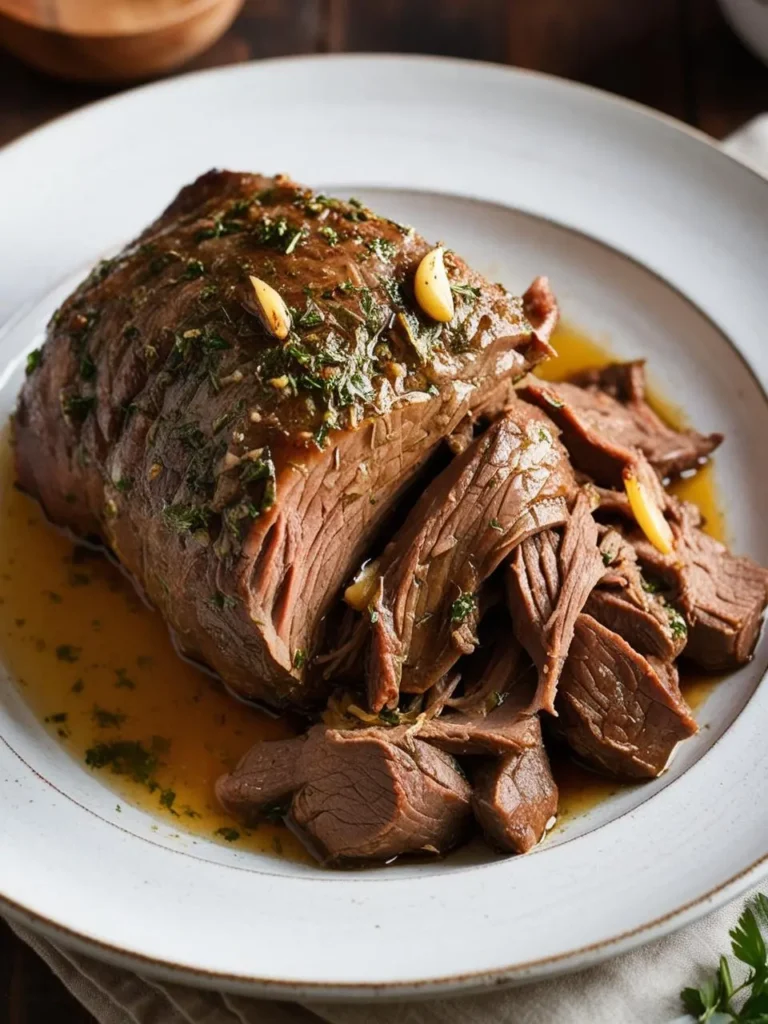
point(98, 666)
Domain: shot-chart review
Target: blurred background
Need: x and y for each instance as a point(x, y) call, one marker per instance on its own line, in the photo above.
point(680, 56)
point(687, 58)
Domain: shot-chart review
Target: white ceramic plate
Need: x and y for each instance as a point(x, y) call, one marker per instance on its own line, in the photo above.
point(654, 240)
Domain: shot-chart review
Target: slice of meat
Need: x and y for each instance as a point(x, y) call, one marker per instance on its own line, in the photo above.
point(608, 420)
point(721, 596)
point(619, 711)
point(625, 603)
point(508, 728)
point(548, 581)
point(511, 482)
point(268, 774)
point(240, 477)
point(358, 794)
point(514, 798)
point(367, 797)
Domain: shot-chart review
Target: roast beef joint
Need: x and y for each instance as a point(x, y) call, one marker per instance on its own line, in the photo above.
point(317, 444)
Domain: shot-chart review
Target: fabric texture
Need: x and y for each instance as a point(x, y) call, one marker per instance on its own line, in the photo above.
point(638, 988)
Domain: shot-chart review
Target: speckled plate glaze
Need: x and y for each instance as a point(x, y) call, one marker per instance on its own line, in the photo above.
point(656, 242)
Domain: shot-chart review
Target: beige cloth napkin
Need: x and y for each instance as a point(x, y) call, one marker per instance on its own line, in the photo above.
point(639, 988)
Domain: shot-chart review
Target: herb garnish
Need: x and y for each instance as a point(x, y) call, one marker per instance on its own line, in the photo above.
point(34, 359)
point(467, 291)
point(107, 719)
point(77, 407)
point(382, 248)
point(299, 658)
point(463, 607)
point(230, 834)
point(677, 623)
point(124, 757)
point(66, 652)
point(496, 525)
point(186, 518)
point(716, 996)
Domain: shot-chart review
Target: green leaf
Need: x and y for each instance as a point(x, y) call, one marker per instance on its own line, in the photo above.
point(693, 1002)
point(747, 942)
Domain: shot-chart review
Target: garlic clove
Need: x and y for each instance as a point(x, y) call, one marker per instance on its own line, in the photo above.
point(432, 287)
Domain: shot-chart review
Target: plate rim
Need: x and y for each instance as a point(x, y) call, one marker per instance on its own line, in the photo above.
point(547, 966)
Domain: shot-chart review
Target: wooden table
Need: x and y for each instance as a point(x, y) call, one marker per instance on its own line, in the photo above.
point(675, 55)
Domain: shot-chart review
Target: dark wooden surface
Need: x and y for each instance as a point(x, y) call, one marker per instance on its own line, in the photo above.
point(675, 55)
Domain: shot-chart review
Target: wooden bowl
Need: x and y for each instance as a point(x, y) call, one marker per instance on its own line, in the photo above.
point(112, 40)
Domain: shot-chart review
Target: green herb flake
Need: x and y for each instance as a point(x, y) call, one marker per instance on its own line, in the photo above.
point(463, 607)
point(466, 291)
point(69, 653)
point(186, 518)
point(124, 682)
point(299, 658)
point(124, 484)
point(57, 718)
point(383, 248)
point(34, 359)
point(496, 525)
point(124, 757)
point(390, 716)
point(330, 235)
point(231, 835)
point(607, 557)
point(77, 407)
point(167, 797)
point(194, 269)
point(107, 719)
point(677, 623)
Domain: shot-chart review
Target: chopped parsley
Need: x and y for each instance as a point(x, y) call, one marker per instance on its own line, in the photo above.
point(34, 359)
point(677, 623)
point(124, 757)
point(77, 407)
point(67, 652)
point(124, 682)
point(107, 719)
point(186, 518)
point(194, 269)
point(299, 658)
point(463, 607)
point(230, 834)
point(382, 248)
point(466, 291)
point(607, 557)
point(167, 798)
point(496, 525)
point(330, 235)
point(390, 716)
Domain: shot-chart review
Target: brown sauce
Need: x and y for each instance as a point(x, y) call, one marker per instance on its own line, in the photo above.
point(98, 667)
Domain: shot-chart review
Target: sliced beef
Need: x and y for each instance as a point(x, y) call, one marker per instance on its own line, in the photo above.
point(548, 581)
point(721, 596)
point(515, 797)
point(240, 478)
point(625, 602)
point(604, 419)
point(267, 775)
point(358, 794)
point(510, 483)
point(619, 711)
point(509, 727)
point(367, 797)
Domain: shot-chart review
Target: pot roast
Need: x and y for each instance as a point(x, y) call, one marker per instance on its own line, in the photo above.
point(271, 393)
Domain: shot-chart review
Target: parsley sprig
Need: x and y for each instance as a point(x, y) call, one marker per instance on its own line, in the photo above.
point(716, 998)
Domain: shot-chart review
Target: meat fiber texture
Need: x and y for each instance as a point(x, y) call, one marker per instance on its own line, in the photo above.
point(240, 478)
